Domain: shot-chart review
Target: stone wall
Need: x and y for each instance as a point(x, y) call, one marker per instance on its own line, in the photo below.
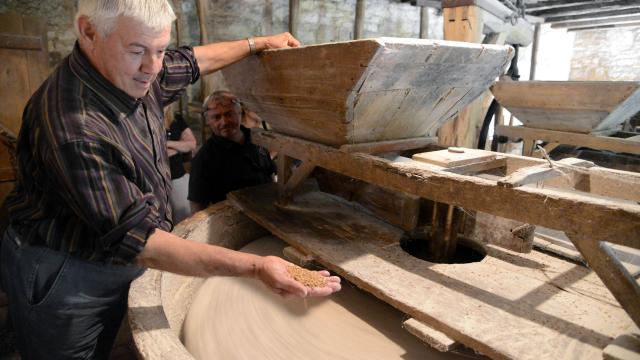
point(607, 54)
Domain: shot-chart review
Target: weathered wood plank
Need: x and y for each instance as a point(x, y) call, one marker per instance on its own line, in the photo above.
point(380, 147)
point(480, 305)
point(429, 335)
point(534, 174)
point(596, 142)
point(454, 157)
point(551, 208)
point(616, 278)
point(20, 42)
point(624, 347)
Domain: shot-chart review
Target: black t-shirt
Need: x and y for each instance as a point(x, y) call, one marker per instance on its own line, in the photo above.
point(173, 133)
point(222, 165)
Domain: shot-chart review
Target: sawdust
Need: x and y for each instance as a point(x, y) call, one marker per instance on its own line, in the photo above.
point(307, 277)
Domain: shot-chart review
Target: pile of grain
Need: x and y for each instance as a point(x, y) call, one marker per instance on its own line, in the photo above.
point(307, 277)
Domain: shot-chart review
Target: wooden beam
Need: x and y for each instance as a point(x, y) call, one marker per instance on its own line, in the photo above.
point(534, 51)
point(380, 147)
point(424, 22)
point(20, 42)
point(609, 26)
point(605, 21)
point(7, 174)
point(463, 23)
point(546, 207)
point(294, 17)
point(567, 138)
point(358, 31)
point(593, 15)
point(584, 8)
point(434, 338)
point(534, 174)
point(610, 270)
point(297, 177)
point(546, 4)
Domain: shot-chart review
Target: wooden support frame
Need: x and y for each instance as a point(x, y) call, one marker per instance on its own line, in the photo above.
point(530, 135)
point(586, 216)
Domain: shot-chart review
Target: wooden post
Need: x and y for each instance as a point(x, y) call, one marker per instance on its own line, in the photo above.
point(424, 22)
point(358, 31)
point(294, 18)
point(463, 23)
point(534, 51)
point(206, 82)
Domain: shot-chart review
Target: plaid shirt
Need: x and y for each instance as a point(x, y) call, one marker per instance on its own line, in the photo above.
point(93, 175)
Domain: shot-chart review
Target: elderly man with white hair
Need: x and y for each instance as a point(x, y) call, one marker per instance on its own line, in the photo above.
point(90, 208)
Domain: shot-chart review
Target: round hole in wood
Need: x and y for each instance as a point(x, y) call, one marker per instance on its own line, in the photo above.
point(467, 251)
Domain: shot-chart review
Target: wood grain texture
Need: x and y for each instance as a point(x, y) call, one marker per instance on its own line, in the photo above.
point(620, 145)
point(573, 106)
point(553, 208)
point(365, 90)
point(481, 305)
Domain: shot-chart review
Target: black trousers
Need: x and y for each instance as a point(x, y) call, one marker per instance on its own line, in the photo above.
point(62, 307)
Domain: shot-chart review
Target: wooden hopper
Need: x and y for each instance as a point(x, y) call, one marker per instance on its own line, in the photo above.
point(365, 90)
point(573, 106)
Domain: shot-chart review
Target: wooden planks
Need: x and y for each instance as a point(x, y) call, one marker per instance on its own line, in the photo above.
point(534, 174)
point(25, 65)
point(454, 157)
point(572, 106)
point(551, 208)
point(481, 305)
point(365, 91)
point(620, 145)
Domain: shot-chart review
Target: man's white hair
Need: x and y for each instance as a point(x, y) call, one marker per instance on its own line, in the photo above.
point(104, 14)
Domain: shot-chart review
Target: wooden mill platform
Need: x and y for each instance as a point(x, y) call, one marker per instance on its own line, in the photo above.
point(509, 305)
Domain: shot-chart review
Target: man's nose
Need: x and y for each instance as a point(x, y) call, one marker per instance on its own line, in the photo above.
point(151, 64)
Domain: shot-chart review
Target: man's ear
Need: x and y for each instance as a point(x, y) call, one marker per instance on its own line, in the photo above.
point(87, 31)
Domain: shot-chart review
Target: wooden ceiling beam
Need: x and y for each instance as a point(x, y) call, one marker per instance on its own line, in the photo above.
point(606, 26)
point(583, 8)
point(594, 15)
point(621, 20)
point(548, 4)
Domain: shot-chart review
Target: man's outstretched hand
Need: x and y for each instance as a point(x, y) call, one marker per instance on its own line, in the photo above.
point(279, 41)
point(272, 271)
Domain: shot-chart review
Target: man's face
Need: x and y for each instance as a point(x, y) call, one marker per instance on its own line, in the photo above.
point(131, 56)
point(224, 119)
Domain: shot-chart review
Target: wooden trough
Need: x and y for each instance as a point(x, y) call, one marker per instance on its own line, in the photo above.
point(572, 106)
point(366, 90)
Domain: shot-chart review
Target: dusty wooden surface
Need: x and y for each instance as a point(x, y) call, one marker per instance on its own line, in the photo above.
point(554, 208)
point(365, 90)
point(481, 305)
point(572, 106)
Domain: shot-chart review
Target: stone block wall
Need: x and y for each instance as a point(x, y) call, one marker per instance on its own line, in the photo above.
point(607, 54)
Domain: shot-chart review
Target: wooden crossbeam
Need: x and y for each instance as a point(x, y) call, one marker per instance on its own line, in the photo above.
point(596, 142)
point(551, 208)
point(20, 42)
point(380, 147)
point(613, 274)
point(534, 174)
point(590, 23)
point(593, 15)
point(584, 8)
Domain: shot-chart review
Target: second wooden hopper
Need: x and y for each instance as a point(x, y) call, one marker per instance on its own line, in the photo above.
point(366, 90)
point(572, 106)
